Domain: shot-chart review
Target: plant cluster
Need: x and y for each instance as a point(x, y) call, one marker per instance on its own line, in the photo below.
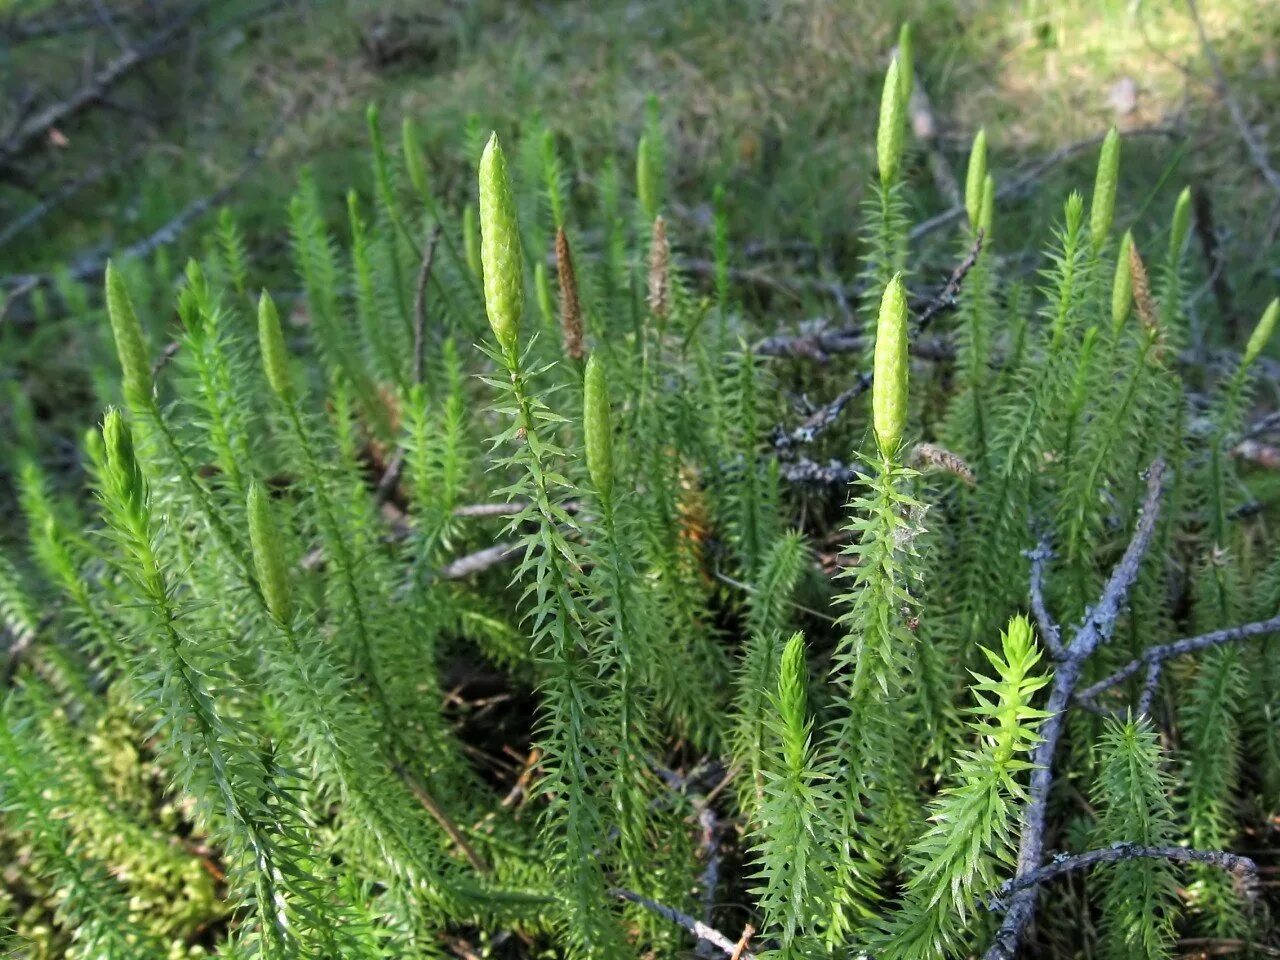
point(1042, 653)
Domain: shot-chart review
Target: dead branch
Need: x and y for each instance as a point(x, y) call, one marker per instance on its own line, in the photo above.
point(1152, 659)
point(90, 266)
point(1094, 630)
point(22, 140)
point(60, 195)
point(480, 561)
point(1024, 179)
point(1257, 152)
point(1262, 454)
point(696, 927)
point(1049, 628)
point(833, 473)
point(845, 341)
point(1244, 869)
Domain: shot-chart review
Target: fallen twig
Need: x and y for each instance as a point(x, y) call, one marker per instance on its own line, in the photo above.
point(820, 345)
point(91, 265)
point(696, 927)
point(1244, 869)
point(1263, 454)
point(437, 813)
point(391, 477)
point(1094, 630)
point(1152, 659)
point(1257, 152)
point(1021, 181)
point(1049, 628)
point(63, 192)
point(29, 133)
point(480, 561)
point(833, 473)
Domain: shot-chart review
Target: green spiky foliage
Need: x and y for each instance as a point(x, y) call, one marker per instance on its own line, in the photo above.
point(298, 666)
point(758, 669)
point(958, 860)
point(1139, 898)
point(575, 763)
point(792, 832)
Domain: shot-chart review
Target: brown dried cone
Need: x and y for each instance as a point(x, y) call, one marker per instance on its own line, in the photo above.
point(659, 270)
point(570, 306)
point(1142, 298)
point(939, 458)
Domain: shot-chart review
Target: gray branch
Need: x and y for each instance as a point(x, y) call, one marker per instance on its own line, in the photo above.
point(1049, 628)
point(1023, 180)
point(1244, 869)
point(1257, 152)
point(1094, 630)
point(1152, 660)
point(696, 927)
point(26, 136)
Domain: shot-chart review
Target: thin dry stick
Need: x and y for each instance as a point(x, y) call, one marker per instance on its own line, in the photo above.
point(1020, 182)
point(741, 948)
point(448, 826)
point(1049, 628)
point(843, 342)
point(1096, 629)
point(391, 477)
point(26, 136)
point(709, 882)
point(1257, 152)
point(833, 473)
point(90, 266)
point(696, 927)
point(480, 561)
point(1153, 658)
point(1245, 870)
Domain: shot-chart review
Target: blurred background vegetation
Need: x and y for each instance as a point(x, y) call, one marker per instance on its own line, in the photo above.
point(127, 123)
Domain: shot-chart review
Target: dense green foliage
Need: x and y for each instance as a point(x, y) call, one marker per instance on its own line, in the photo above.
point(239, 727)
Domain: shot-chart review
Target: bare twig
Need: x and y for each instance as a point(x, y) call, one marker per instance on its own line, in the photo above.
point(1094, 630)
point(1262, 454)
point(1257, 152)
point(391, 477)
point(490, 509)
point(740, 949)
point(59, 195)
point(480, 561)
point(818, 421)
point(819, 346)
point(1153, 658)
point(709, 882)
point(1049, 628)
point(696, 927)
point(437, 813)
point(833, 473)
point(29, 133)
point(1023, 180)
point(1262, 426)
point(946, 298)
point(90, 266)
point(1244, 869)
